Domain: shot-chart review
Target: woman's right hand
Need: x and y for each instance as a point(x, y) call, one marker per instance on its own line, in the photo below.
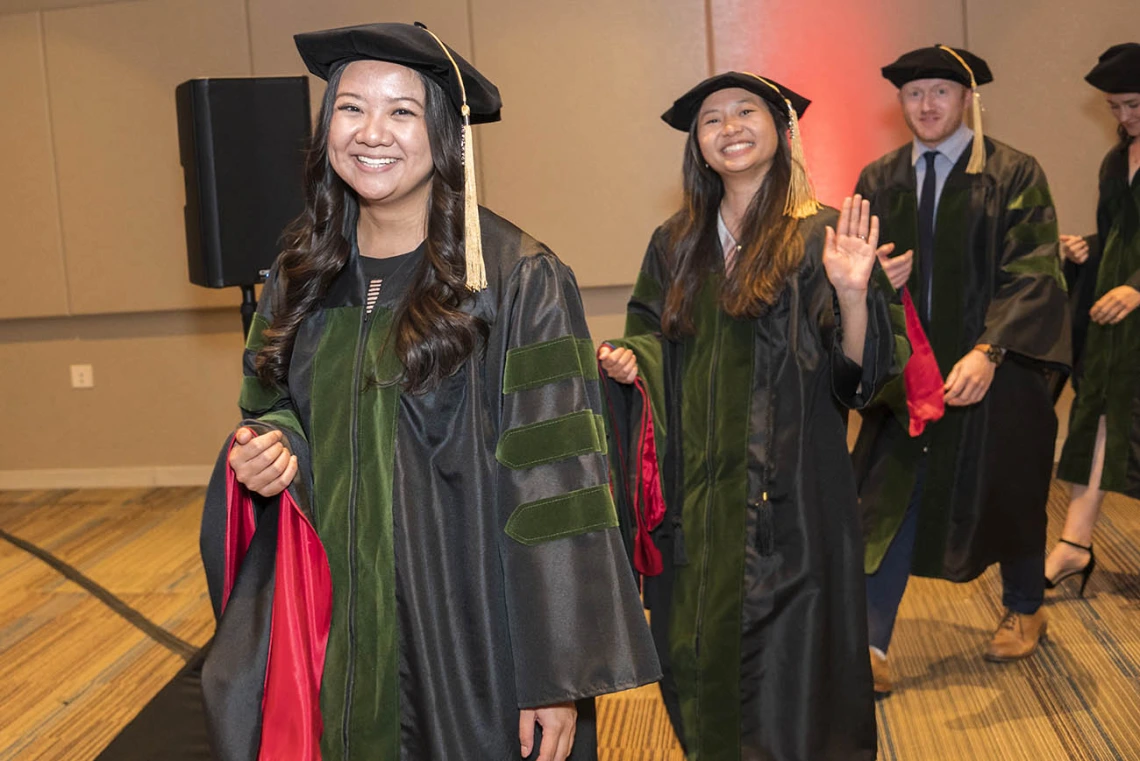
point(263, 464)
point(1074, 248)
point(619, 364)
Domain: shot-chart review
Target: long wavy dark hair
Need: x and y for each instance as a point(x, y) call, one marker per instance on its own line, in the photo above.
point(433, 336)
point(771, 247)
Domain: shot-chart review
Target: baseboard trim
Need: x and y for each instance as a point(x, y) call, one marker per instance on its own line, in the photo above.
point(105, 478)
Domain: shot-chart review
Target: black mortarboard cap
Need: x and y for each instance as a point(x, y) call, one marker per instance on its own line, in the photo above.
point(685, 108)
point(937, 62)
point(408, 45)
point(801, 201)
point(1118, 70)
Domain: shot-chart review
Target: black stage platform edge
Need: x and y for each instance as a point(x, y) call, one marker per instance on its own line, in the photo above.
point(171, 727)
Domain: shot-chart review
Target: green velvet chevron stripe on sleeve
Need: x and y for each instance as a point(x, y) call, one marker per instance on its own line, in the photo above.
point(1037, 195)
point(1037, 265)
point(563, 437)
point(570, 514)
point(1033, 233)
point(549, 361)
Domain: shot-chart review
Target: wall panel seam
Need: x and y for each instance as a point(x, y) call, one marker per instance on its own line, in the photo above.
point(966, 24)
point(249, 36)
point(710, 38)
point(54, 153)
point(476, 147)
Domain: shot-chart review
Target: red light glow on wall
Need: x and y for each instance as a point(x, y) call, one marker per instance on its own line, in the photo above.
point(832, 54)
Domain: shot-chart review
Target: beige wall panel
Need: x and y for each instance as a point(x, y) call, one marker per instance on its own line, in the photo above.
point(157, 401)
point(582, 160)
point(274, 22)
point(605, 311)
point(30, 253)
point(112, 70)
point(832, 53)
point(1039, 102)
point(23, 6)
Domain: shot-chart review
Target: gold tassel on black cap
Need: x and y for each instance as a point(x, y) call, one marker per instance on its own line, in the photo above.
point(472, 234)
point(978, 153)
point(801, 202)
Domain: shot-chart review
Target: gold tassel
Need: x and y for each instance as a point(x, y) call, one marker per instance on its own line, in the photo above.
point(978, 153)
point(472, 233)
point(801, 202)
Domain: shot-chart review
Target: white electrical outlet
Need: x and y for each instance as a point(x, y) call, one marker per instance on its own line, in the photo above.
point(82, 376)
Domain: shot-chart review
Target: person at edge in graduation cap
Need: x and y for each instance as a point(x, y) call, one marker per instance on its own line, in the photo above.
point(753, 319)
point(410, 541)
point(1102, 450)
point(971, 489)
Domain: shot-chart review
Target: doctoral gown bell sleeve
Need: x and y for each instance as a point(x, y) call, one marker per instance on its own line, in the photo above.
point(1028, 313)
point(575, 618)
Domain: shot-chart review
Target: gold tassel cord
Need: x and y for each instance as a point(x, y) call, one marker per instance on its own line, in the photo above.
point(472, 232)
point(801, 202)
point(978, 153)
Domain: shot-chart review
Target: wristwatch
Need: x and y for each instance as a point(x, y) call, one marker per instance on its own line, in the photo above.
point(993, 353)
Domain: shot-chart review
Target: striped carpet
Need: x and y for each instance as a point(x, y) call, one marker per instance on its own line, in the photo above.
point(73, 672)
point(1078, 699)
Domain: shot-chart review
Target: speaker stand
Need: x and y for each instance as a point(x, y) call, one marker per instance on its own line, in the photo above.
point(248, 307)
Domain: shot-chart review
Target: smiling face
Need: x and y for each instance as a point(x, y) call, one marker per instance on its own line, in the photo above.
point(933, 108)
point(1126, 108)
point(378, 138)
point(737, 134)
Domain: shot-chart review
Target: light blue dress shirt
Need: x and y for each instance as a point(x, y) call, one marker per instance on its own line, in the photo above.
point(949, 151)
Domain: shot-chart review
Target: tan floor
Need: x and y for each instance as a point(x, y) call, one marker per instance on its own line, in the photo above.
point(72, 673)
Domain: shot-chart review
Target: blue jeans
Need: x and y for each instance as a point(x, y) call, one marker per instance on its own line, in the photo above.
point(1023, 579)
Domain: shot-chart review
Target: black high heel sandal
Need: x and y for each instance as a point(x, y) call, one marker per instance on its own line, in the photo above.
point(1085, 571)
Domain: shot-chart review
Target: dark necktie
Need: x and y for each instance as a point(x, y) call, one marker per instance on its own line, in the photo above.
point(926, 238)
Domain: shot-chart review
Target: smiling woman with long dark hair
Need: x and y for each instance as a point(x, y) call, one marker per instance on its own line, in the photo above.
point(410, 542)
point(754, 317)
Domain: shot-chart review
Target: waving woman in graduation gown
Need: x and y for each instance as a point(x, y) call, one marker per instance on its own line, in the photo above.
point(752, 321)
point(411, 542)
point(1102, 451)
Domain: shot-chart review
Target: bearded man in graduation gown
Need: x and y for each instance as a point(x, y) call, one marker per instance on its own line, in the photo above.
point(975, 218)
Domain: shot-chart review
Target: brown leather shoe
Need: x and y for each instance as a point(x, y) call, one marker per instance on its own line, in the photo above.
point(1017, 636)
point(880, 674)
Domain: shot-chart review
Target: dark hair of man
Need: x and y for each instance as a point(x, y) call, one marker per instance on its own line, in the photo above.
point(433, 337)
point(771, 248)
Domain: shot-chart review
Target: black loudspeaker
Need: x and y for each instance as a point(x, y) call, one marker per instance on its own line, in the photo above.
point(243, 143)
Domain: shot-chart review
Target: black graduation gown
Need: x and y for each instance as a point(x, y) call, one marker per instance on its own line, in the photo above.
point(758, 612)
point(468, 534)
point(1108, 356)
point(997, 280)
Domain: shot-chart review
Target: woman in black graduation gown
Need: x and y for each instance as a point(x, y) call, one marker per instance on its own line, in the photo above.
point(1102, 451)
point(430, 568)
point(753, 318)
